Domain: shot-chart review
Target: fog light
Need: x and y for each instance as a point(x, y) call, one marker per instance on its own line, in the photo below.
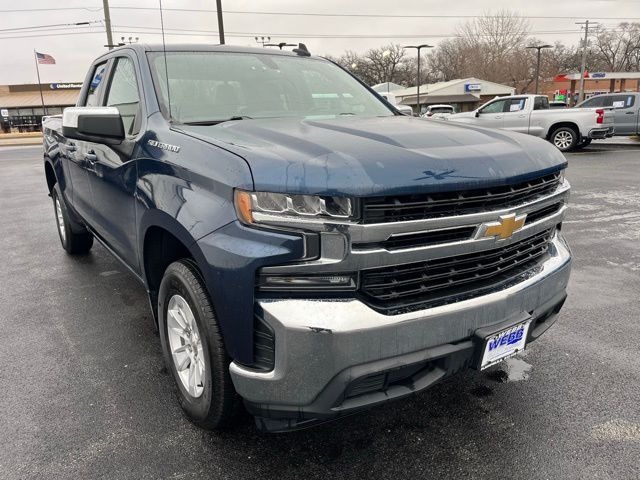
point(307, 282)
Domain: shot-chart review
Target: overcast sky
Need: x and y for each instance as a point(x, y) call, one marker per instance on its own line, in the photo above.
point(74, 52)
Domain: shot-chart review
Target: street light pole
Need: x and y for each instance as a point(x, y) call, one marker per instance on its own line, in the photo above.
point(539, 48)
point(418, 48)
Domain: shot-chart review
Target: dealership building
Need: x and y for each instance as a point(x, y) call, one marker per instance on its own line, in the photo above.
point(464, 94)
point(21, 105)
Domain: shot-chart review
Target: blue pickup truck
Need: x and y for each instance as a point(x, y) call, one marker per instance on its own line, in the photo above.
point(306, 248)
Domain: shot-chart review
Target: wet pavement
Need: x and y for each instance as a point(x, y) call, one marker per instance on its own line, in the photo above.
point(85, 393)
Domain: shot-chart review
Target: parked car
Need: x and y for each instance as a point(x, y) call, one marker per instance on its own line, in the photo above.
point(305, 247)
point(438, 111)
point(391, 98)
point(626, 108)
point(565, 128)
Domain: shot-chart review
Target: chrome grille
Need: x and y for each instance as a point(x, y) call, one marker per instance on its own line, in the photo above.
point(439, 281)
point(444, 204)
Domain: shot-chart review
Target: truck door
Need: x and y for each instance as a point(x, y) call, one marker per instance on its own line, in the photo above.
point(516, 114)
point(113, 173)
point(491, 115)
point(626, 113)
point(76, 150)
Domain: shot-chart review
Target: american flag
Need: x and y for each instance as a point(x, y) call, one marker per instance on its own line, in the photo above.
point(45, 59)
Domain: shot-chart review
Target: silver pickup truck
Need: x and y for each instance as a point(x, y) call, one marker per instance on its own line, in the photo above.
point(626, 110)
point(567, 129)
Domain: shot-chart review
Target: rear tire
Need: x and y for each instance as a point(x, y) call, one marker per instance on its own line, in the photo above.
point(73, 242)
point(564, 138)
point(193, 348)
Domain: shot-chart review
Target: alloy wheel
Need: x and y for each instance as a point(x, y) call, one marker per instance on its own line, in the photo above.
point(563, 139)
point(60, 219)
point(186, 345)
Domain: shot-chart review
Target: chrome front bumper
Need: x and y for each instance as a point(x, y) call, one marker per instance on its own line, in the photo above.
point(320, 345)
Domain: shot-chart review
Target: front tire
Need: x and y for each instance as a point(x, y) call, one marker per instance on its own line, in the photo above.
point(73, 242)
point(564, 138)
point(193, 348)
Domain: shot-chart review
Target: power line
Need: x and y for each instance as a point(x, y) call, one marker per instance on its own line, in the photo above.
point(77, 24)
point(210, 33)
point(327, 35)
point(311, 14)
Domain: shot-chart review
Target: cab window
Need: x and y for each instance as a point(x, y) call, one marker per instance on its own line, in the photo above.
point(593, 102)
point(622, 101)
point(123, 94)
point(514, 104)
point(93, 94)
point(495, 107)
point(541, 103)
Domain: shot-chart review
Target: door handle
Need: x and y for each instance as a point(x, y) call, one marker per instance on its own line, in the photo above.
point(91, 157)
point(71, 147)
point(629, 113)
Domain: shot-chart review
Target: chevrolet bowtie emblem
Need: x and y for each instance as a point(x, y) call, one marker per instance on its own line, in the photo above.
point(505, 227)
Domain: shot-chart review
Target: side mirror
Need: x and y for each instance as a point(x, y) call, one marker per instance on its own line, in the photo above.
point(477, 113)
point(93, 124)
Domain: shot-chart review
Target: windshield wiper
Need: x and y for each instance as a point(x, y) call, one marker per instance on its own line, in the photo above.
point(216, 122)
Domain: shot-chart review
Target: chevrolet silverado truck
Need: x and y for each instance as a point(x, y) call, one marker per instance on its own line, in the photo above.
point(567, 129)
point(306, 249)
point(626, 110)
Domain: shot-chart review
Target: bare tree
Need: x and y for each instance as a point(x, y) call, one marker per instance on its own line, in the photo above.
point(617, 50)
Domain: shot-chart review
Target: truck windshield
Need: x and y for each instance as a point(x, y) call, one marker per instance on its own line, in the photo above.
point(211, 87)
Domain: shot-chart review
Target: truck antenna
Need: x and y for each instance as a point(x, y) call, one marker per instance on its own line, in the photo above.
point(166, 67)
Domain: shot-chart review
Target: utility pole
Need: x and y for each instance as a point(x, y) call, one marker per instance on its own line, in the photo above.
point(220, 23)
point(418, 48)
point(107, 23)
point(583, 65)
point(539, 47)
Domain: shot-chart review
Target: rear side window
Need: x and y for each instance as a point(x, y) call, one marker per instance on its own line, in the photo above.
point(514, 104)
point(123, 94)
point(622, 101)
point(541, 103)
point(93, 94)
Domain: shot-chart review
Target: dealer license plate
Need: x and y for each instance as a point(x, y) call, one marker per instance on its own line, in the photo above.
point(504, 344)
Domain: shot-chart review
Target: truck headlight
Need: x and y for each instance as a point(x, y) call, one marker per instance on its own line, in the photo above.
point(267, 207)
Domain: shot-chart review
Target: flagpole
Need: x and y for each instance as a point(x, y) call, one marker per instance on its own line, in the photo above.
point(35, 56)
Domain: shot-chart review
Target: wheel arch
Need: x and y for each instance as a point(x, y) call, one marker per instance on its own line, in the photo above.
point(50, 175)
point(555, 126)
point(162, 241)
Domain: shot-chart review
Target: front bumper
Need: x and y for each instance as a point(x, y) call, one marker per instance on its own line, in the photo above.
point(600, 133)
point(327, 350)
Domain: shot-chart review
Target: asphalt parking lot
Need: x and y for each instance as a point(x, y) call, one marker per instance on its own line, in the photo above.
point(85, 393)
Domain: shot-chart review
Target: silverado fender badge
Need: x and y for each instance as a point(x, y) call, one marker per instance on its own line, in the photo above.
point(164, 146)
point(504, 228)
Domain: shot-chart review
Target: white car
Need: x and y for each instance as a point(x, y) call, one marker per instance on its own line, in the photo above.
point(566, 128)
point(391, 98)
point(438, 111)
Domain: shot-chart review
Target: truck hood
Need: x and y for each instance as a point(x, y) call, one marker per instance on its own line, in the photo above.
point(359, 156)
